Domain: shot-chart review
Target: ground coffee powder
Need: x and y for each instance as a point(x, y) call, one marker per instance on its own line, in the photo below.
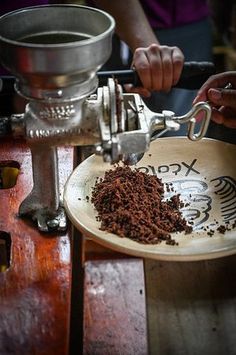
point(131, 204)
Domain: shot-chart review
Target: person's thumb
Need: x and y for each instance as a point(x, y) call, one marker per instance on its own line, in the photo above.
point(222, 97)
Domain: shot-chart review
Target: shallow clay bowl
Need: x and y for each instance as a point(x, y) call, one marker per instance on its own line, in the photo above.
point(204, 173)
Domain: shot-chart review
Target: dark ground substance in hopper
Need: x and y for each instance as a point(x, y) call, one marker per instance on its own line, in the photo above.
point(130, 204)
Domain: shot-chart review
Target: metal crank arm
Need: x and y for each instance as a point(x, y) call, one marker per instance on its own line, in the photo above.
point(199, 108)
point(127, 126)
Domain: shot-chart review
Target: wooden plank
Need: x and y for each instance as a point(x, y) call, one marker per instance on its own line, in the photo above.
point(114, 306)
point(95, 251)
point(191, 306)
point(35, 290)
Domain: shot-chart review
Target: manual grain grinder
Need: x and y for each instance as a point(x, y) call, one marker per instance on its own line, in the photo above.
point(55, 52)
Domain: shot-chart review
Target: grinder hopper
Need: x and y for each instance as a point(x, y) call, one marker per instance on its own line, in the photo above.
point(54, 52)
point(53, 47)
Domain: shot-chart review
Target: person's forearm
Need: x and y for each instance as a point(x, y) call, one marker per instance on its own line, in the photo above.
point(132, 25)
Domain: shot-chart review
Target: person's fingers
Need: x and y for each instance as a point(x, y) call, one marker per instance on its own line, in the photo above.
point(222, 100)
point(227, 111)
point(215, 81)
point(172, 59)
point(201, 96)
point(229, 116)
point(203, 91)
point(144, 67)
point(225, 116)
point(153, 54)
point(230, 122)
point(217, 116)
point(159, 67)
point(178, 62)
point(222, 97)
point(167, 68)
point(138, 90)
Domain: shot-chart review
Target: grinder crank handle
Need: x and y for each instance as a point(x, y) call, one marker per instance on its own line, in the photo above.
point(193, 76)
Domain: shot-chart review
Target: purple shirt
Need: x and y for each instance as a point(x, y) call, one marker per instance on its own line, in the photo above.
point(174, 13)
point(171, 13)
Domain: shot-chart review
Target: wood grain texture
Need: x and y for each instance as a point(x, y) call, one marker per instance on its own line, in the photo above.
point(114, 307)
point(35, 290)
point(191, 307)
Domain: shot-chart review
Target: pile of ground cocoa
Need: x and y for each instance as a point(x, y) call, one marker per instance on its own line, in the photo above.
point(131, 204)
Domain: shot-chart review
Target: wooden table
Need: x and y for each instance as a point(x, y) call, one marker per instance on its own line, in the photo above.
point(115, 319)
point(190, 306)
point(66, 295)
point(35, 288)
point(60, 291)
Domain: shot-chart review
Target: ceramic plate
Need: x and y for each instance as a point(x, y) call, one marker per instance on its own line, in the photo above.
point(204, 173)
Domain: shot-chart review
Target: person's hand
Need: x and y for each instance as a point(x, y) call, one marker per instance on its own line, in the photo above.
point(159, 68)
point(222, 100)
